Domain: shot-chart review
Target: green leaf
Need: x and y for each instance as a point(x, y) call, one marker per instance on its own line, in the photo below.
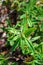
point(1, 57)
point(35, 38)
point(40, 18)
point(22, 16)
point(29, 31)
point(24, 47)
point(29, 22)
point(1, 62)
point(39, 62)
point(16, 44)
point(12, 41)
point(32, 46)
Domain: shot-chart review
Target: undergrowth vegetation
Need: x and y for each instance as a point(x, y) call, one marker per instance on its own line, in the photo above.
point(26, 34)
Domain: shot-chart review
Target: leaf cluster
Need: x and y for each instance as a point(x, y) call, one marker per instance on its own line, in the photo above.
point(27, 34)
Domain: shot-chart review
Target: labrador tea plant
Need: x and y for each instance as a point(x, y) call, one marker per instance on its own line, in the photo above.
point(24, 32)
